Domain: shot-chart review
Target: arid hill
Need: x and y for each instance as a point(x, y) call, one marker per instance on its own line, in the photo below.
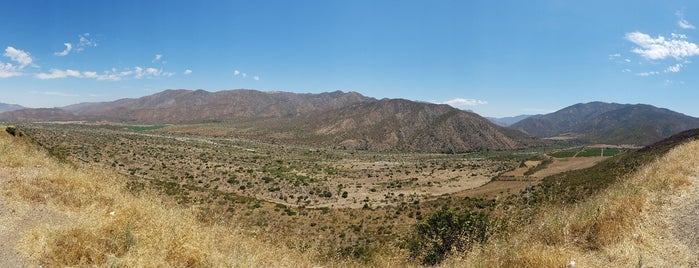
point(612, 123)
point(334, 119)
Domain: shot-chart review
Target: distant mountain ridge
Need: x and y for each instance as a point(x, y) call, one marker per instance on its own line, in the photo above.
point(509, 120)
point(6, 107)
point(334, 119)
point(599, 122)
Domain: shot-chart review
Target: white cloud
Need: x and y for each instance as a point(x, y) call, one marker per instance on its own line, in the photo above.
point(8, 70)
point(187, 72)
point(682, 22)
point(85, 41)
point(20, 56)
point(158, 57)
point(65, 52)
point(256, 78)
point(461, 102)
point(674, 68)
point(110, 75)
point(660, 48)
point(146, 73)
point(55, 74)
point(647, 73)
point(236, 72)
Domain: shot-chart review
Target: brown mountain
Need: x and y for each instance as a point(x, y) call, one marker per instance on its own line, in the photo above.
point(599, 122)
point(413, 126)
point(334, 119)
point(186, 106)
point(5, 107)
point(38, 115)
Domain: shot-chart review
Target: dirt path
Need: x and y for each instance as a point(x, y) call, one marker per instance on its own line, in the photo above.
point(16, 220)
point(686, 219)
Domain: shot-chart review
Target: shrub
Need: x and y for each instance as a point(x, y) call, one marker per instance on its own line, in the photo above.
point(444, 231)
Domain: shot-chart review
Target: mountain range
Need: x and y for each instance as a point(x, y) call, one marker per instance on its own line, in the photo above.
point(335, 119)
point(509, 120)
point(611, 123)
point(5, 107)
point(352, 121)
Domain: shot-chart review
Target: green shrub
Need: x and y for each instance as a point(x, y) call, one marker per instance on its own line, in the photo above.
point(444, 231)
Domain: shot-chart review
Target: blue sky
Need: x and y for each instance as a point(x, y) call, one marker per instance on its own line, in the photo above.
point(497, 58)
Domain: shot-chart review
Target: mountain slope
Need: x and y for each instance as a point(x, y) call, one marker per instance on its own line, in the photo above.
point(412, 126)
point(563, 120)
point(641, 123)
point(39, 114)
point(599, 122)
point(186, 106)
point(4, 107)
point(507, 121)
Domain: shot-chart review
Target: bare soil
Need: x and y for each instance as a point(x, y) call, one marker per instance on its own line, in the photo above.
point(565, 164)
point(686, 220)
point(19, 218)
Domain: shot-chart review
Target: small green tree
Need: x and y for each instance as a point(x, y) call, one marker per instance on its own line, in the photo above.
point(447, 230)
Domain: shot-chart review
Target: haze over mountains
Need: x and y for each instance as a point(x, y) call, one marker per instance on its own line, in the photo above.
point(353, 121)
point(611, 123)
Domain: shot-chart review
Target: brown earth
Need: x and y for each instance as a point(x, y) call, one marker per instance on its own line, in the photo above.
point(18, 218)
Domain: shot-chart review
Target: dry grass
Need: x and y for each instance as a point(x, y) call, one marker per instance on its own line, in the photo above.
point(107, 226)
point(625, 225)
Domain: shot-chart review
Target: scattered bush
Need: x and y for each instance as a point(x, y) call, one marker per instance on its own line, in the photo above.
point(444, 231)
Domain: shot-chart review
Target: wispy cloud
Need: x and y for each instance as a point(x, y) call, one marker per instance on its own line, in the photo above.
point(158, 57)
point(85, 41)
point(110, 75)
point(65, 52)
point(647, 73)
point(674, 68)
point(187, 72)
point(463, 103)
point(55, 74)
point(237, 72)
point(661, 48)
point(682, 22)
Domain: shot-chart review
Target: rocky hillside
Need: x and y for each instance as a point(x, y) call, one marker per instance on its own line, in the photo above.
point(412, 126)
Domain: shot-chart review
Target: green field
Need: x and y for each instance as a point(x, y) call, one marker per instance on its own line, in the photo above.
point(144, 127)
point(587, 152)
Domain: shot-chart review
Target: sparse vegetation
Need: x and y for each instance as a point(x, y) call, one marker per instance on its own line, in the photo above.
point(215, 198)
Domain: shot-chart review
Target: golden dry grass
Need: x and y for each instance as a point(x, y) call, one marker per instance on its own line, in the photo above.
point(627, 225)
point(105, 225)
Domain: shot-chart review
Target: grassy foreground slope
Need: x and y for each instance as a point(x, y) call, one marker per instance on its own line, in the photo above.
point(94, 221)
point(627, 223)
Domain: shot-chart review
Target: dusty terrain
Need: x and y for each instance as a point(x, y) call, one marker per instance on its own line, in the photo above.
point(17, 218)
